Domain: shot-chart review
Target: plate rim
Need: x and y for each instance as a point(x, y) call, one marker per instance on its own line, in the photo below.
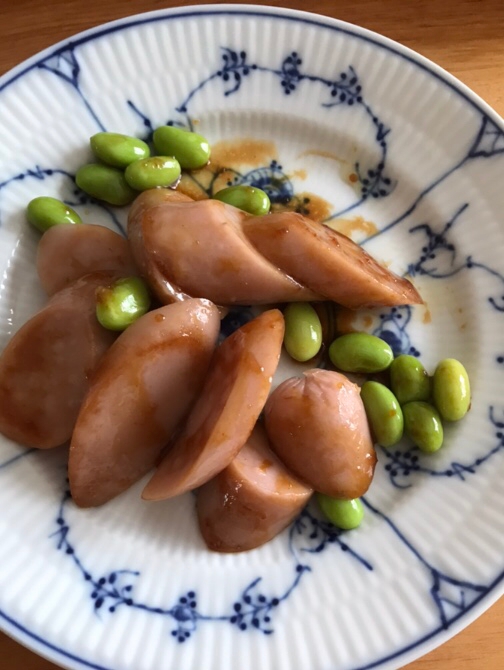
point(482, 603)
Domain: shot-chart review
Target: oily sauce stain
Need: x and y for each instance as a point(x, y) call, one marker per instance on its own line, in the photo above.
point(349, 226)
point(229, 157)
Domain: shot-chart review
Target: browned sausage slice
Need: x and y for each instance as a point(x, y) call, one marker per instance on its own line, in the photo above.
point(226, 411)
point(251, 501)
point(199, 249)
point(143, 388)
point(317, 426)
point(327, 262)
point(66, 253)
point(145, 256)
point(46, 367)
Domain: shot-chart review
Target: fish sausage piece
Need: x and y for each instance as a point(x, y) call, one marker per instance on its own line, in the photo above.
point(200, 250)
point(251, 501)
point(317, 426)
point(227, 409)
point(140, 393)
point(66, 253)
point(145, 257)
point(327, 262)
point(46, 367)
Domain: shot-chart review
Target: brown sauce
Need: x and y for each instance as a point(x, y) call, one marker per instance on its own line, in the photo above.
point(228, 156)
point(349, 226)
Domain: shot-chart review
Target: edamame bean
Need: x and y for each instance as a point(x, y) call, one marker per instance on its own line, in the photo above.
point(122, 303)
point(451, 391)
point(45, 212)
point(118, 150)
point(344, 514)
point(248, 198)
point(303, 331)
point(360, 352)
point(423, 426)
point(154, 172)
point(105, 183)
point(383, 412)
point(190, 149)
point(409, 379)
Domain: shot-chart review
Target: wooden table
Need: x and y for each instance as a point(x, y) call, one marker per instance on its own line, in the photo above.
point(464, 36)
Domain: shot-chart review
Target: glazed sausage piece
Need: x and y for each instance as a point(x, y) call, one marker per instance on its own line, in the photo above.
point(227, 409)
point(142, 390)
point(66, 253)
point(45, 368)
point(327, 262)
point(199, 249)
point(251, 501)
point(317, 426)
point(139, 217)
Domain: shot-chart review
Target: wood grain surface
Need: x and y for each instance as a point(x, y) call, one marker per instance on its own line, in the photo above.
point(466, 37)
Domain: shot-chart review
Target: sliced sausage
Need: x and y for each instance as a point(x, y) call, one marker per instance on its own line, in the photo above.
point(251, 501)
point(327, 262)
point(317, 426)
point(199, 249)
point(66, 253)
point(143, 388)
point(227, 409)
point(140, 214)
point(46, 367)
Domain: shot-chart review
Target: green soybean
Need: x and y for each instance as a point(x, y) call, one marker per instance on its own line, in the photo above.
point(383, 412)
point(360, 352)
point(451, 391)
point(122, 303)
point(45, 212)
point(105, 183)
point(303, 331)
point(248, 198)
point(118, 150)
point(190, 149)
point(409, 379)
point(154, 172)
point(345, 514)
point(422, 424)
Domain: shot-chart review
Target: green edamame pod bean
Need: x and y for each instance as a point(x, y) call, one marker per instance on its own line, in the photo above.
point(360, 352)
point(344, 514)
point(451, 390)
point(383, 412)
point(45, 212)
point(190, 149)
point(423, 426)
point(303, 331)
point(154, 172)
point(409, 379)
point(118, 150)
point(248, 198)
point(105, 183)
point(122, 303)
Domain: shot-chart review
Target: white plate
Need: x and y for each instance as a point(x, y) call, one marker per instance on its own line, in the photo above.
point(131, 586)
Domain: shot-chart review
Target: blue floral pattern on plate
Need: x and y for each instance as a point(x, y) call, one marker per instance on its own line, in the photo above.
point(434, 254)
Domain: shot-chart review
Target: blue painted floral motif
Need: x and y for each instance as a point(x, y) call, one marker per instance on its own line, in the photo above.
point(345, 89)
point(403, 464)
point(393, 329)
point(253, 608)
point(439, 257)
point(311, 534)
point(74, 195)
point(64, 65)
point(17, 457)
point(489, 142)
point(451, 596)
